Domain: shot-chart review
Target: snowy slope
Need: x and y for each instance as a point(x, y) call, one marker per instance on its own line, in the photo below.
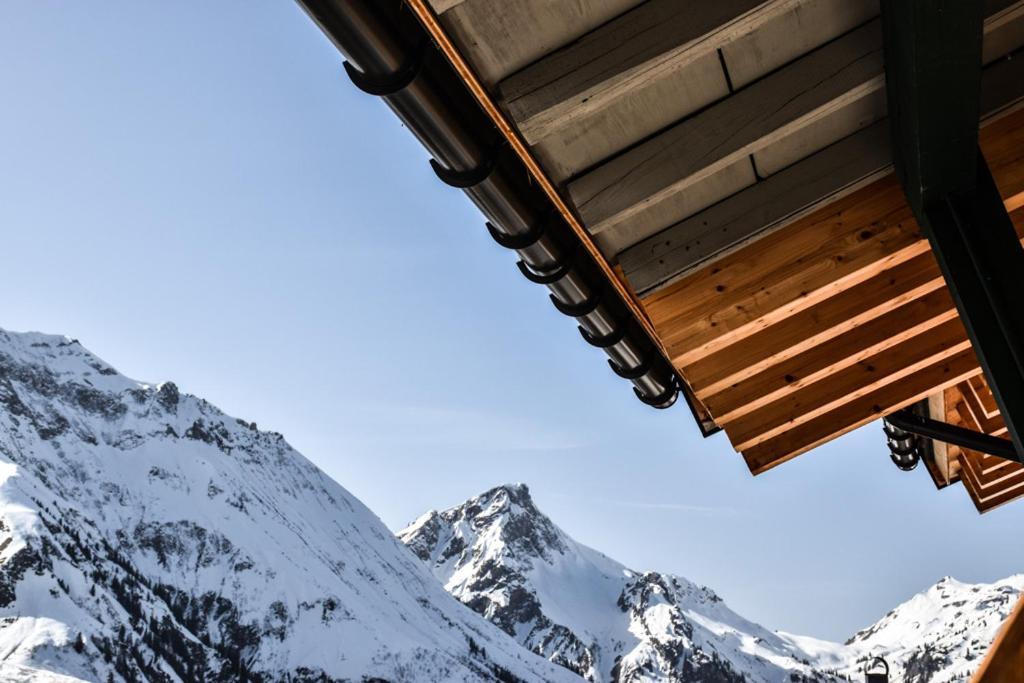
point(501, 556)
point(145, 535)
point(941, 634)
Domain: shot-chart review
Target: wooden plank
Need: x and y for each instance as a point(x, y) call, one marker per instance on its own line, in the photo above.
point(827, 175)
point(937, 463)
point(984, 396)
point(990, 497)
point(991, 474)
point(836, 248)
point(952, 397)
point(986, 503)
point(833, 172)
point(819, 134)
point(760, 352)
point(500, 37)
point(1006, 32)
point(702, 317)
point(981, 472)
point(992, 470)
point(442, 6)
point(990, 425)
point(657, 171)
point(1000, 87)
point(651, 42)
point(1004, 497)
point(572, 150)
point(970, 411)
point(848, 385)
point(792, 34)
point(702, 198)
point(1004, 662)
point(841, 219)
point(815, 326)
point(1003, 145)
point(740, 300)
point(820, 361)
point(987, 471)
point(970, 484)
point(849, 416)
point(932, 268)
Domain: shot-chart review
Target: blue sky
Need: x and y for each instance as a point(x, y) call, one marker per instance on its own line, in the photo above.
point(196, 192)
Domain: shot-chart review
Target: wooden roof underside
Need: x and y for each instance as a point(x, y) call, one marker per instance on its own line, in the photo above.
point(732, 159)
point(650, 112)
point(990, 481)
point(833, 322)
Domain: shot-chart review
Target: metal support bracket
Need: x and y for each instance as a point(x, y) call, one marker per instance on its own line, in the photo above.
point(389, 84)
point(953, 434)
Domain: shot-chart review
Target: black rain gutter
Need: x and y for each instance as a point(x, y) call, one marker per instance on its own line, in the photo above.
point(389, 54)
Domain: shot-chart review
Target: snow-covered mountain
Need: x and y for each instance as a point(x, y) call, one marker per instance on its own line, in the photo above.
point(501, 556)
point(941, 634)
point(146, 535)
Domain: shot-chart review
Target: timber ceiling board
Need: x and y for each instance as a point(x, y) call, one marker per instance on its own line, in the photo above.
point(826, 146)
point(793, 32)
point(500, 37)
point(826, 325)
point(990, 481)
point(732, 159)
point(662, 119)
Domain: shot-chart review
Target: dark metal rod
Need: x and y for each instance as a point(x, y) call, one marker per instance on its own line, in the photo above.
point(933, 83)
point(953, 434)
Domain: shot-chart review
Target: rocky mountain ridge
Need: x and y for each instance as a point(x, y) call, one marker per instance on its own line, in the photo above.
point(147, 536)
point(501, 556)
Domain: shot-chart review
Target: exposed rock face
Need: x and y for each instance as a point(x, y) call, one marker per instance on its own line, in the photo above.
point(941, 634)
point(502, 557)
point(146, 535)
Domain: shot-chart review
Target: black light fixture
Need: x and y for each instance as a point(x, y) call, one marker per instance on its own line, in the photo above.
point(904, 447)
point(877, 671)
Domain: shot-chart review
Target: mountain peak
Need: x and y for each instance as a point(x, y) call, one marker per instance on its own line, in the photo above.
point(504, 558)
point(594, 616)
point(502, 503)
point(518, 493)
point(57, 359)
point(147, 535)
point(501, 524)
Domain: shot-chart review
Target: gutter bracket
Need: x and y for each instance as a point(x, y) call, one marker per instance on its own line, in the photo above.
point(471, 176)
point(560, 271)
point(388, 84)
point(521, 241)
point(630, 373)
point(605, 340)
point(663, 400)
point(584, 308)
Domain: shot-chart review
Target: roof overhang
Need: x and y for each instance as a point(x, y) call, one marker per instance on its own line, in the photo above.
point(726, 171)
